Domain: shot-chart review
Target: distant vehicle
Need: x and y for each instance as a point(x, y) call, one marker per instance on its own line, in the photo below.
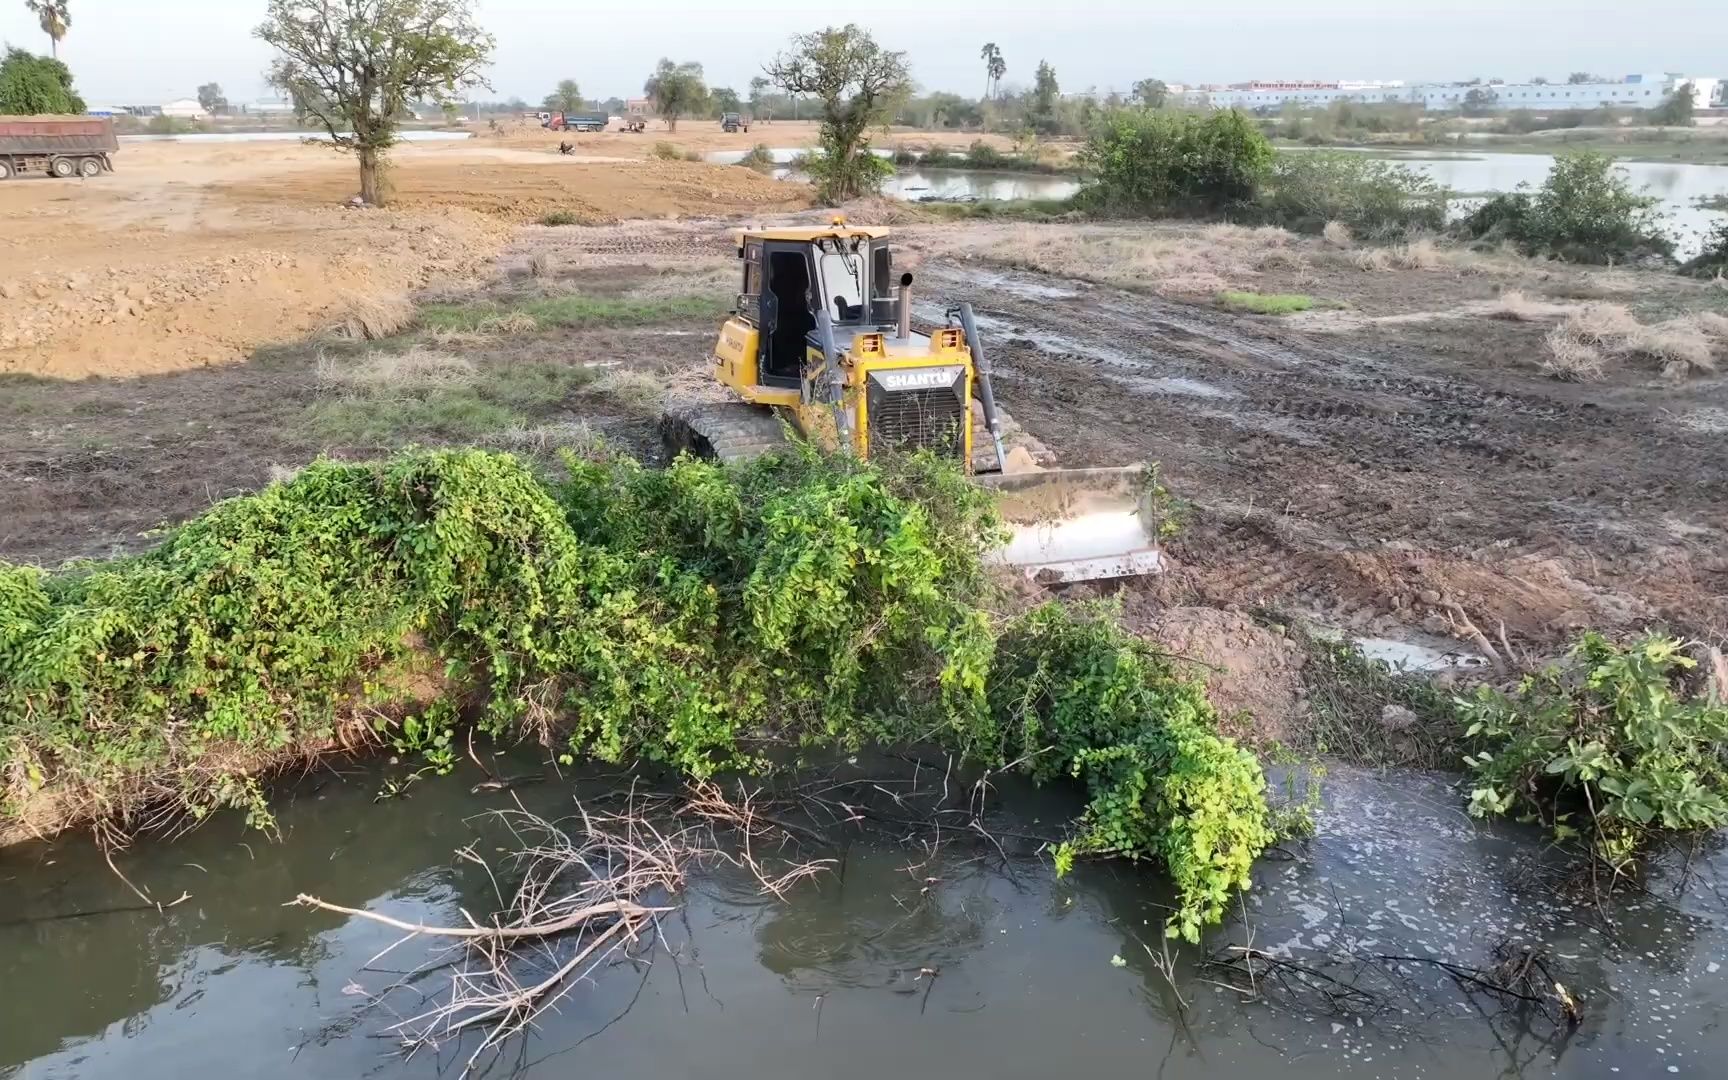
point(733, 122)
point(576, 122)
point(61, 146)
point(636, 124)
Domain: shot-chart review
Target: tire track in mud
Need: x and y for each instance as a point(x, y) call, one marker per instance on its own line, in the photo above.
point(1371, 483)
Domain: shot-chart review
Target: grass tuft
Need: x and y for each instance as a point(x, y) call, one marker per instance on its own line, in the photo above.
point(1265, 303)
point(375, 317)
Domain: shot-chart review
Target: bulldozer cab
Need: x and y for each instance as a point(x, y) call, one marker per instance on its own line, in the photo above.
point(793, 276)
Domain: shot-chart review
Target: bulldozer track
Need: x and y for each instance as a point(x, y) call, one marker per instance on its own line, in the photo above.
point(726, 430)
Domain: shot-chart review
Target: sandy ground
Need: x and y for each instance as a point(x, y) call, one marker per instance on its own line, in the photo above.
point(195, 254)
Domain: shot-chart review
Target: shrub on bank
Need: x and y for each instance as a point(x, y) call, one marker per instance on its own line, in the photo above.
point(1586, 211)
point(1608, 748)
point(1375, 199)
point(1158, 163)
point(669, 615)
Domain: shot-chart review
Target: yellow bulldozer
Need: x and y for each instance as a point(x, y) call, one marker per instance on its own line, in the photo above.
point(820, 344)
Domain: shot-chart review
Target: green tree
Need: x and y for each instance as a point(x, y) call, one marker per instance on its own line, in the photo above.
point(758, 91)
point(354, 65)
point(1045, 93)
point(1480, 102)
point(726, 100)
point(1151, 93)
point(566, 97)
point(677, 90)
point(1579, 77)
point(31, 85)
point(54, 19)
point(1147, 162)
point(1677, 110)
point(859, 85)
point(210, 98)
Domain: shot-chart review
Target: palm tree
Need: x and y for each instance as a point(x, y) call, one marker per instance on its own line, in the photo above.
point(992, 56)
point(54, 18)
point(998, 68)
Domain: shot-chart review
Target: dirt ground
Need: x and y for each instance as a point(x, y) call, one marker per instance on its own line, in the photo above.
point(1377, 471)
point(1394, 462)
point(197, 254)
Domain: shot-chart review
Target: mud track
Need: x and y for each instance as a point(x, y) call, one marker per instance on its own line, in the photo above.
point(1393, 479)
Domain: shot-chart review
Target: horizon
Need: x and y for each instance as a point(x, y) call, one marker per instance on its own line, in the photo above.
point(539, 43)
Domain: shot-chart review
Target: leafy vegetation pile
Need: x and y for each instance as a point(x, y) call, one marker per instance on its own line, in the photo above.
point(676, 615)
point(1606, 748)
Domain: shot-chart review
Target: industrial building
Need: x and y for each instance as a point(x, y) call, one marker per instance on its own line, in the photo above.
point(1631, 92)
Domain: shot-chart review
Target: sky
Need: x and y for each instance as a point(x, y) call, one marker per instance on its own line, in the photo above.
point(132, 52)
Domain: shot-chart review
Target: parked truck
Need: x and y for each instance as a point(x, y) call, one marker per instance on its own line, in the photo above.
point(731, 122)
point(576, 122)
point(60, 146)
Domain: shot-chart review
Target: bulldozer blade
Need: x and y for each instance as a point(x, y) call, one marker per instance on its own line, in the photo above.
point(1072, 525)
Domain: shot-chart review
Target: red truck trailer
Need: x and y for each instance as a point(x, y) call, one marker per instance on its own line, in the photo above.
point(57, 145)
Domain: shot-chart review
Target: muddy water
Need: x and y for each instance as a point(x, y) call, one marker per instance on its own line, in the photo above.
point(1035, 976)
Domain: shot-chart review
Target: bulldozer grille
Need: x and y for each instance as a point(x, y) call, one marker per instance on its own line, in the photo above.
point(920, 417)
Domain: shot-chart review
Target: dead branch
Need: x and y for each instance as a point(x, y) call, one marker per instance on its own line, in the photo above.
point(503, 933)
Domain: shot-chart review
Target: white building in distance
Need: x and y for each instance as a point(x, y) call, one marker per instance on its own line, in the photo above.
point(1632, 92)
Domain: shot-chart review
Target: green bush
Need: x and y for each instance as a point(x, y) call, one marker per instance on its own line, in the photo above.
point(838, 178)
point(1712, 261)
point(939, 157)
point(1377, 199)
point(1604, 748)
point(666, 151)
point(560, 217)
point(981, 155)
point(669, 615)
point(1586, 211)
point(31, 84)
point(759, 157)
point(1145, 162)
point(1072, 692)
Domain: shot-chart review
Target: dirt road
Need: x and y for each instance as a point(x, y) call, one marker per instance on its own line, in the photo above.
point(1404, 476)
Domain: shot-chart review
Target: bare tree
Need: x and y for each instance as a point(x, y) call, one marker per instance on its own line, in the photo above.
point(352, 66)
point(859, 84)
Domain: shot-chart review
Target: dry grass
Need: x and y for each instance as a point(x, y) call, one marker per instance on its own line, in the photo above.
point(634, 392)
point(1571, 359)
point(515, 322)
point(543, 439)
point(1183, 261)
point(719, 279)
point(392, 374)
point(375, 317)
point(1597, 333)
point(1336, 234)
point(541, 264)
point(1514, 306)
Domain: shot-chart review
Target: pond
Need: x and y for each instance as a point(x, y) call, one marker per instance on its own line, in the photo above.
point(1678, 185)
point(945, 185)
point(942, 956)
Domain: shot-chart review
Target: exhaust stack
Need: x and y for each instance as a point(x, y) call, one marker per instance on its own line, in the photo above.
point(905, 328)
